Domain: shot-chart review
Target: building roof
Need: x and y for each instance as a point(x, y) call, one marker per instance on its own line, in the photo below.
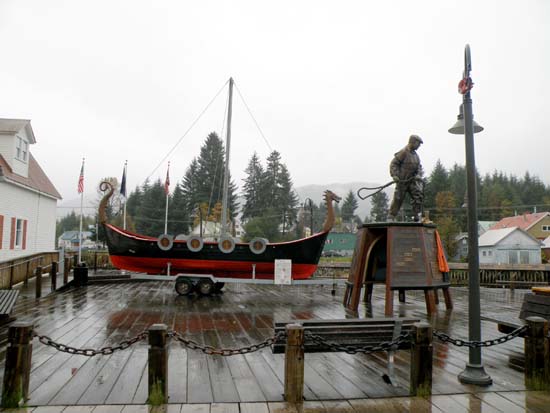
point(494, 236)
point(73, 235)
point(485, 225)
point(36, 180)
point(524, 221)
point(12, 126)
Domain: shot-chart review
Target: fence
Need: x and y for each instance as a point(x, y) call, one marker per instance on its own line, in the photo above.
point(15, 387)
point(489, 275)
point(21, 269)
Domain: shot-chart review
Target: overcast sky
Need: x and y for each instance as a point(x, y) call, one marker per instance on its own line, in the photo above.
point(336, 87)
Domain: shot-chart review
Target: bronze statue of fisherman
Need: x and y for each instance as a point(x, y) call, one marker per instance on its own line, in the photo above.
point(407, 173)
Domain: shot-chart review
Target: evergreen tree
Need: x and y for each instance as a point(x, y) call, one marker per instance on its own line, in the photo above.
point(438, 181)
point(446, 225)
point(203, 180)
point(253, 203)
point(348, 209)
point(150, 218)
point(179, 214)
point(380, 208)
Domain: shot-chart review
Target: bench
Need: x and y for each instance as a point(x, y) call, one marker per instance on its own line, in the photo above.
point(347, 332)
point(7, 302)
point(369, 332)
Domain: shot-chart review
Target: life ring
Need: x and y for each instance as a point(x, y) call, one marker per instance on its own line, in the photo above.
point(195, 243)
point(165, 242)
point(257, 245)
point(226, 244)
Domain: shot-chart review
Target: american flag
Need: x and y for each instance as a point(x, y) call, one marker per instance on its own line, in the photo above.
point(81, 179)
point(167, 182)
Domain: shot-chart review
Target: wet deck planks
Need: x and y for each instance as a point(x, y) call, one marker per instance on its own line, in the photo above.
point(102, 315)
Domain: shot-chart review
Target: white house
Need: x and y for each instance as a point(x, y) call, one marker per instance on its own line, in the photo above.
point(70, 240)
point(28, 199)
point(509, 246)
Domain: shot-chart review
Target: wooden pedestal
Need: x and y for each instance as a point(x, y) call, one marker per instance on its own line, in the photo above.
point(401, 255)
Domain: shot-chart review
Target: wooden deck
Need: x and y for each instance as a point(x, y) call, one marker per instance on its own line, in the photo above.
point(105, 314)
point(513, 402)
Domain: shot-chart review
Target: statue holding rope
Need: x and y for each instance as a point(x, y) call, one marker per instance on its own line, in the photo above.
point(407, 173)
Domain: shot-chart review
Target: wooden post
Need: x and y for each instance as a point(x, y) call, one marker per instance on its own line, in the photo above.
point(53, 276)
point(38, 281)
point(294, 363)
point(27, 273)
point(537, 329)
point(18, 364)
point(421, 360)
point(95, 262)
point(66, 269)
point(12, 269)
point(158, 364)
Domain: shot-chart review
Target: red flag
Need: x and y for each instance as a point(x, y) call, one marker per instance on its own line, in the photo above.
point(167, 182)
point(81, 179)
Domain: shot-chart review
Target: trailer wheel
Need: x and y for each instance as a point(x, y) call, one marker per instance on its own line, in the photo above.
point(218, 287)
point(205, 286)
point(184, 286)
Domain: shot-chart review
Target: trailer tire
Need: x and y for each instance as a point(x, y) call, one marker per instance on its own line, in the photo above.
point(184, 286)
point(205, 286)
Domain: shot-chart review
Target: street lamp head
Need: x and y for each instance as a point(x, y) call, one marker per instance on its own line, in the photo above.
point(458, 127)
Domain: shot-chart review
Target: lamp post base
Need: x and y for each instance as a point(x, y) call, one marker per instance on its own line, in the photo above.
point(475, 374)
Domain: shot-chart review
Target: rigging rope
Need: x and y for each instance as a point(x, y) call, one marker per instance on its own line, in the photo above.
point(378, 189)
point(188, 130)
point(253, 118)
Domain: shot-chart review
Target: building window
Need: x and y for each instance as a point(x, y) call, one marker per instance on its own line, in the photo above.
point(546, 228)
point(19, 233)
point(512, 257)
point(484, 253)
point(524, 257)
point(22, 149)
point(490, 253)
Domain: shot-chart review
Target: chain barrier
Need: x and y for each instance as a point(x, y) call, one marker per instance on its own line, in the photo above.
point(445, 338)
point(206, 349)
point(367, 349)
point(89, 352)
point(210, 350)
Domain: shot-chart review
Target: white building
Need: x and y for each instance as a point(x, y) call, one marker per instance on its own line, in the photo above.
point(28, 199)
point(509, 246)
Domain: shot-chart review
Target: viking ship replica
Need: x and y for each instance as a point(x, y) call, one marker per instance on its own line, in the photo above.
point(220, 259)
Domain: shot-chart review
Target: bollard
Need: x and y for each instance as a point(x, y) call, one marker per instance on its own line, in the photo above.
point(53, 276)
point(38, 281)
point(421, 360)
point(534, 344)
point(18, 364)
point(66, 269)
point(80, 275)
point(158, 364)
point(294, 363)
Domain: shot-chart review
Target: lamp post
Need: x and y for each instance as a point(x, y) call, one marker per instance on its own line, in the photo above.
point(474, 373)
point(310, 214)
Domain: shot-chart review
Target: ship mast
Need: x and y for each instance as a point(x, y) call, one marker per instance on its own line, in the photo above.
point(226, 169)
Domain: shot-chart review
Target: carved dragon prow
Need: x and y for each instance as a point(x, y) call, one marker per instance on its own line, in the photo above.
point(107, 187)
point(330, 196)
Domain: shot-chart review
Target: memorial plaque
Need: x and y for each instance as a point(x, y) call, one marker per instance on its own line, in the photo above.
point(407, 253)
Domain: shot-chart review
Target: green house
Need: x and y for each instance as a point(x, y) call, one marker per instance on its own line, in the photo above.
point(339, 244)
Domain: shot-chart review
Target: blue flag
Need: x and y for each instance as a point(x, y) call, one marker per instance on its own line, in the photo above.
point(123, 183)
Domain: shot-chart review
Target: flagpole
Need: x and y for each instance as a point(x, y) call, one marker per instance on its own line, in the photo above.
point(167, 191)
point(124, 215)
point(81, 208)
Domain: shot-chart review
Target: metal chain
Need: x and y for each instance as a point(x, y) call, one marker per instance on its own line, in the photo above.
point(445, 338)
point(206, 349)
point(383, 346)
point(89, 352)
